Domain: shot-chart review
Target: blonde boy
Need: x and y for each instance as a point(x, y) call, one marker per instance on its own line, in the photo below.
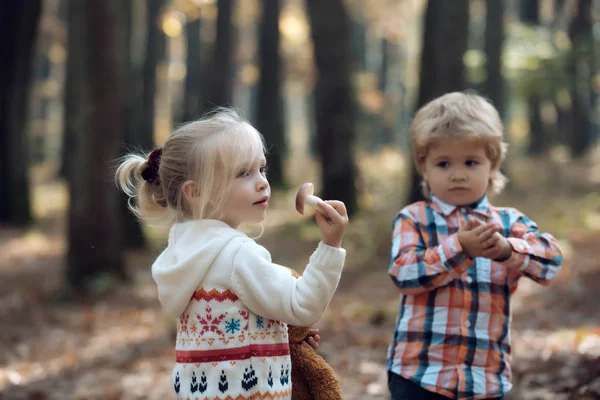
point(456, 259)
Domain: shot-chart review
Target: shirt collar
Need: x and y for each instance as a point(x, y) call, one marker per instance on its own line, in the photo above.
point(481, 206)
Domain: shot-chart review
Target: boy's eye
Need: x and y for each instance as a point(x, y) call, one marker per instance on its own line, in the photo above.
point(443, 164)
point(471, 163)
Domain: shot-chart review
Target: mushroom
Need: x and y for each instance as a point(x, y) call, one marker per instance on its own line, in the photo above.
point(305, 197)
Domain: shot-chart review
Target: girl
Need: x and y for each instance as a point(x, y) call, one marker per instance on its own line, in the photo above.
point(231, 302)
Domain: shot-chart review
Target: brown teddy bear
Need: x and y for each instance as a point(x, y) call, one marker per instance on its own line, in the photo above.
point(312, 377)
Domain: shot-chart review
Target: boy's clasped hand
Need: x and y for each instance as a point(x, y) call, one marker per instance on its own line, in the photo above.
point(479, 239)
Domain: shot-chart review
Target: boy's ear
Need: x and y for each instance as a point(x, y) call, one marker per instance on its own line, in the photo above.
point(190, 191)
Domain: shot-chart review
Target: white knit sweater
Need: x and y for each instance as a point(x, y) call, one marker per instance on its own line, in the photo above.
point(232, 306)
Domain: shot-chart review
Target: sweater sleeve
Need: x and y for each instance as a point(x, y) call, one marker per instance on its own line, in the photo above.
point(270, 290)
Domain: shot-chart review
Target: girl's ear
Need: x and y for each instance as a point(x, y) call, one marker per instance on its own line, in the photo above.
point(190, 191)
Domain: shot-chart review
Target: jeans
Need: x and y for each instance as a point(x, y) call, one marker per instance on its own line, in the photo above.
point(404, 389)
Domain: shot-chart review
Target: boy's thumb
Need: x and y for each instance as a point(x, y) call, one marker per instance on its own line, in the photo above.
point(467, 226)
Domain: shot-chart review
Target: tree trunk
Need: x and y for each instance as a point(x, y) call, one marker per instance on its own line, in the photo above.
point(144, 137)
point(220, 92)
point(133, 236)
point(580, 32)
point(538, 141)
point(96, 119)
point(529, 11)
point(494, 39)
point(445, 38)
point(334, 99)
point(18, 27)
point(269, 119)
point(192, 96)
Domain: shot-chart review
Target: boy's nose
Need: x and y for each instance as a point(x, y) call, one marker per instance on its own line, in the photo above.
point(458, 177)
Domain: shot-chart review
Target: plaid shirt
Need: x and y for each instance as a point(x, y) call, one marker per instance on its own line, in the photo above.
point(452, 335)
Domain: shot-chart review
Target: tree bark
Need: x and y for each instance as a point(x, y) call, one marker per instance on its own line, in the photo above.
point(18, 26)
point(334, 99)
point(269, 119)
point(529, 11)
point(580, 32)
point(220, 92)
point(95, 109)
point(445, 39)
point(193, 87)
point(144, 137)
point(494, 39)
point(133, 236)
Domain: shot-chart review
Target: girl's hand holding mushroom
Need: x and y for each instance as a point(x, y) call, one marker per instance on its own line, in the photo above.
point(331, 215)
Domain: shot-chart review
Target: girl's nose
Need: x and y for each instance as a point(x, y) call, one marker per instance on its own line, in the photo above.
point(262, 183)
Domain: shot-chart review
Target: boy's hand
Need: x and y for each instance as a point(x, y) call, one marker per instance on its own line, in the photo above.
point(474, 236)
point(332, 220)
point(499, 249)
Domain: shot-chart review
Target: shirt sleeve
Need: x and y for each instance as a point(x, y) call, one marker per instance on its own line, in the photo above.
point(416, 269)
point(270, 290)
point(535, 255)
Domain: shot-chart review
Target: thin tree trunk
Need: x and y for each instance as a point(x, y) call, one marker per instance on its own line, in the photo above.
point(220, 92)
point(335, 108)
point(538, 141)
point(133, 236)
point(580, 32)
point(95, 232)
point(494, 39)
point(144, 137)
point(269, 100)
point(18, 27)
point(193, 87)
point(445, 39)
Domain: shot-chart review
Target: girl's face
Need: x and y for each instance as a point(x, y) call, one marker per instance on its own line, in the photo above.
point(457, 171)
point(249, 195)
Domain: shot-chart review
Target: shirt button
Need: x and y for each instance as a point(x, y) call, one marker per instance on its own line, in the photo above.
point(469, 279)
point(467, 324)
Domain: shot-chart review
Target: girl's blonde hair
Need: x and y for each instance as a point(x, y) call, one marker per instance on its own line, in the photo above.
point(207, 153)
point(465, 116)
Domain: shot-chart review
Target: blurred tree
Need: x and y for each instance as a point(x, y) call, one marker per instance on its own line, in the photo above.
point(18, 26)
point(335, 108)
point(192, 96)
point(143, 134)
point(220, 87)
point(494, 40)
point(445, 39)
point(95, 116)
point(529, 11)
point(539, 143)
point(580, 68)
point(269, 118)
point(132, 91)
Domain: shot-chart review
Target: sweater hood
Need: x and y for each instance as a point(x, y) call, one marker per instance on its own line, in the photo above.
point(192, 249)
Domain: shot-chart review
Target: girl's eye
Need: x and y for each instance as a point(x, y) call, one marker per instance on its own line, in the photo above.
point(242, 174)
point(264, 169)
point(443, 164)
point(471, 163)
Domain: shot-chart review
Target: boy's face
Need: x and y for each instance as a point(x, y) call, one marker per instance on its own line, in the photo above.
point(458, 171)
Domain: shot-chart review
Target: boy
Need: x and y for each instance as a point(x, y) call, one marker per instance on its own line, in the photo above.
point(456, 259)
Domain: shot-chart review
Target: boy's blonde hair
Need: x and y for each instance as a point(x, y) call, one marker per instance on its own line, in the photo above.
point(208, 152)
point(465, 116)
